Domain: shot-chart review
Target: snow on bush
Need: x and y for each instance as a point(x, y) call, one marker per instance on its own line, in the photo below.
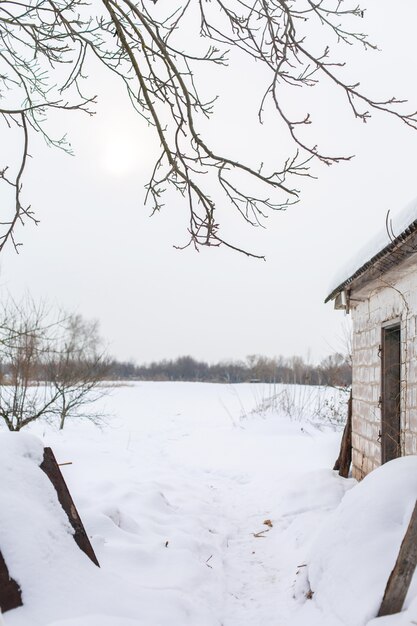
point(322, 406)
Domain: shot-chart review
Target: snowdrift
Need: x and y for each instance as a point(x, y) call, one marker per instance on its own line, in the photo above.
point(174, 493)
point(356, 548)
point(55, 576)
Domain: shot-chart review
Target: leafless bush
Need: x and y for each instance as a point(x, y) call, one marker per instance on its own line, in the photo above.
point(51, 364)
point(320, 405)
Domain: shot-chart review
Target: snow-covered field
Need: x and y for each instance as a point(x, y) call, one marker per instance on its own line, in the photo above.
point(202, 512)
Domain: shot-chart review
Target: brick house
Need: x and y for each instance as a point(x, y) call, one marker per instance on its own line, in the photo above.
point(379, 290)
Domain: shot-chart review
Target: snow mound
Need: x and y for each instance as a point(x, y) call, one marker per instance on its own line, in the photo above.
point(19, 445)
point(353, 554)
point(96, 620)
point(60, 585)
point(33, 525)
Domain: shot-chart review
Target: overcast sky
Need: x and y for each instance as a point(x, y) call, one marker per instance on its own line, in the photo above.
point(97, 251)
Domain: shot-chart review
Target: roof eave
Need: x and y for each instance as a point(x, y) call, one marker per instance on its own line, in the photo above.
point(396, 243)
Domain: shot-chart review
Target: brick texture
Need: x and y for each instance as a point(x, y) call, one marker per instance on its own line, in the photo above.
point(385, 300)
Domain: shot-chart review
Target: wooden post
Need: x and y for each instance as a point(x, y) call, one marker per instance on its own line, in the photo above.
point(51, 469)
point(10, 594)
point(400, 578)
point(345, 455)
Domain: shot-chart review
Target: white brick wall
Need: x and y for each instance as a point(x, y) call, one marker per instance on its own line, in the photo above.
point(385, 299)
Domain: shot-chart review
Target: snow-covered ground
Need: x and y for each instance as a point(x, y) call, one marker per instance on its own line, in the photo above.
point(202, 512)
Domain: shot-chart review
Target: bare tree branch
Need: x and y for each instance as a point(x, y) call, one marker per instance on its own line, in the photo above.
point(45, 46)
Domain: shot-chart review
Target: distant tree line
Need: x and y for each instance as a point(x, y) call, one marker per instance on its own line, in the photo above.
point(334, 370)
point(53, 366)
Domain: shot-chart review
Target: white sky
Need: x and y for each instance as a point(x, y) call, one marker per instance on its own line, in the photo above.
point(97, 251)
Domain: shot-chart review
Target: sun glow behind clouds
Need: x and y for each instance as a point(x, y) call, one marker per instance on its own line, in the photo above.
point(121, 154)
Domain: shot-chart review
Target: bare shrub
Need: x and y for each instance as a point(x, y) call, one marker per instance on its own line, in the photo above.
point(319, 405)
point(51, 364)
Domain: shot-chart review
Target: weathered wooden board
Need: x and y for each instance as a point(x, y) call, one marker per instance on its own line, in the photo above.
point(391, 393)
point(345, 455)
point(51, 469)
point(400, 578)
point(10, 594)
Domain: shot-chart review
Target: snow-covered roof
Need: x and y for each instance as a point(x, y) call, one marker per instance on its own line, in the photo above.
point(396, 230)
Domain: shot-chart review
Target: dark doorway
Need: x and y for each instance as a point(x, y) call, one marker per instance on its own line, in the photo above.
point(391, 393)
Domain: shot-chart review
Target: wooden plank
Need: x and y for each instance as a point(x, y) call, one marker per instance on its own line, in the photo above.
point(400, 578)
point(10, 594)
point(345, 455)
point(51, 469)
